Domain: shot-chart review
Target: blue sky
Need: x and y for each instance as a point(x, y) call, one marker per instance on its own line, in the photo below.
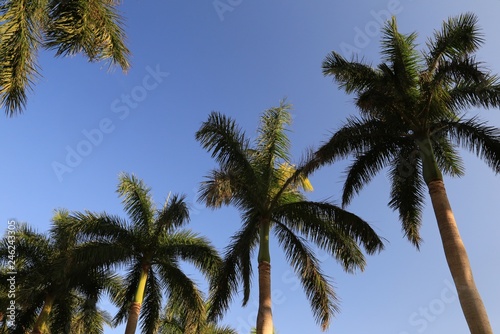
point(188, 59)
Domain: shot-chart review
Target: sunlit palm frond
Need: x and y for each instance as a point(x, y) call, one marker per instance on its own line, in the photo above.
point(137, 201)
point(93, 28)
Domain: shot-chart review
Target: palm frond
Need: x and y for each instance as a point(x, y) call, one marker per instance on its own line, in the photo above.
point(477, 137)
point(272, 143)
point(353, 76)
point(332, 229)
point(236, 268)
point(184, 294)
point(219, 188)
point(400, 51)
point(90, 27)
point(364, 167)
point(174, 214)
point(221, 136)
point(458, 36)
point(318, 290)
point(151, 305)
point(407, 192)
point(137, 201)
point(20, 36)
point(188, 246)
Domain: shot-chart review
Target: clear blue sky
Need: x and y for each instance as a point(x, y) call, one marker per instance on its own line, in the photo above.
point(240, 62)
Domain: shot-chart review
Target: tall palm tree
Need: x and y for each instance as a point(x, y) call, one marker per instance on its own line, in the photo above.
point(413, 121)
point(93, 28)
point(262, 183)
point(150, 246)
point(51, 286)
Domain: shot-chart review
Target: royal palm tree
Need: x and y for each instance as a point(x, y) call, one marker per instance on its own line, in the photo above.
point(51, 287)
point(412, 120)
point(263, 184)
point(92, 28)
point(150, 246)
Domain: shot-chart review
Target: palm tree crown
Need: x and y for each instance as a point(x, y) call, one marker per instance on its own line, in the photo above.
point(53, 290)
point(150, 246)
point(68, 27)
point(264, 185)
point(413, 121)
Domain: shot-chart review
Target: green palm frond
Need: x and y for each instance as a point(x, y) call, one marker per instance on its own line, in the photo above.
point(90, 27)
point(318, 290)
point(219, 188)
point(478, 137)
point(407, 192)
point(22, 24)
point(447, 156)
point(411, 100)
point(365, 166)
point(236, 268)
point(458, 36)
point(93, 28)
point(400, 51)
point(343, 71)
point(183, 293)
point(272, 144)
point(227, 142)
point(151, 306)
point(137, 201)
point(174, 214)
point(190, 247)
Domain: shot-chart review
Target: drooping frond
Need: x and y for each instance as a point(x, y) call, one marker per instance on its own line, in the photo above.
point(324, 303)
point(190, 247)
point(92, 27)
point(151, 305)
point(477, 137)
point(447, 156)
point(364, 167)
point(219, 188)
point(184, 294)
point(236, 268)
point(407, 192)
point(20, 35)
point(332, 229)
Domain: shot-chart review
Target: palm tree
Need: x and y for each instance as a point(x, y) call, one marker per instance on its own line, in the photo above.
point(263, 184)
point(412, 120)
point(51, 286)
point(93, 28)
point(150, 246)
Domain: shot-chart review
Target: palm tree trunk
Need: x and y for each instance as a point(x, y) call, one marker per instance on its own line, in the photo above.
point(40, 326)
point(458, 261)
point(265, 315)
point(135, 308)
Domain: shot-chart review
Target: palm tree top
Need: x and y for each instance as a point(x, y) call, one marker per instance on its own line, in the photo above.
point(91, 28)
point(412, 87)
point(414, 105)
